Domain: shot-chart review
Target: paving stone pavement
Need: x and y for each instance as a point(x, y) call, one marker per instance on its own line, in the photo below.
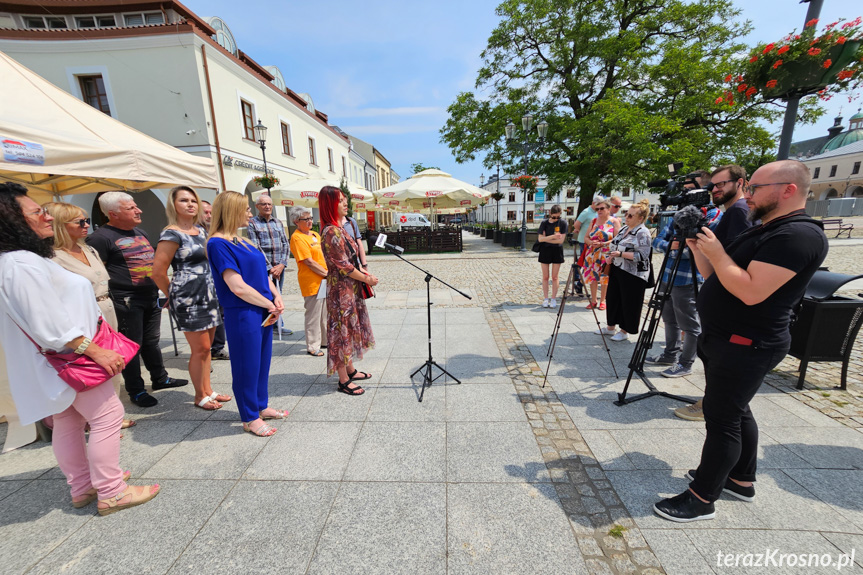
point(497, 474)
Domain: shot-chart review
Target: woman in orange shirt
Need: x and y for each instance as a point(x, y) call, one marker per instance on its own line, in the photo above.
point(312, 275)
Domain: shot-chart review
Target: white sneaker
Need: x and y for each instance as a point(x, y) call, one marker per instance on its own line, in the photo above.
point(552, 303)
point(620, 336)
point(604, 331)
point(545, 303)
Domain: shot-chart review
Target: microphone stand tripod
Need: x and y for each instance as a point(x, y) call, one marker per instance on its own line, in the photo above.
point(648, 333)
point(426, 368)
point(550, 352)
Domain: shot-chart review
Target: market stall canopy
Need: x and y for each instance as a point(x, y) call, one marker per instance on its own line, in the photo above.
point(304, 192)
point(431, 189)
point(56, 144)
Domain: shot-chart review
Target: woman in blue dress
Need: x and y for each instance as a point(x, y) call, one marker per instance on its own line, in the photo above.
point(250, 299)
point(191, 294)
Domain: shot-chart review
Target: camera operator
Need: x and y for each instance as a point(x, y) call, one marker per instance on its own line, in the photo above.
point(745, 308)
point(728, 183)
point(679, 313)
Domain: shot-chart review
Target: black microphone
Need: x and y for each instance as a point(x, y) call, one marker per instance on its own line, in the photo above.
point(657, 184)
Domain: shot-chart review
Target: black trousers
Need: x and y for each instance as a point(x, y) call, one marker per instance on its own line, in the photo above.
point(139, 319)
point(733, 374)
point(624, 299)
point(219, 336)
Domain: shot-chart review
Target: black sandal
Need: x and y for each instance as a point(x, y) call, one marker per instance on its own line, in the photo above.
point(343, 387)
point(353, 376)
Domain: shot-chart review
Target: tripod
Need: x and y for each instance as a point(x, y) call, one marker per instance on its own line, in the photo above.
point(426, 368)
point(551, 345)
point(648, 332)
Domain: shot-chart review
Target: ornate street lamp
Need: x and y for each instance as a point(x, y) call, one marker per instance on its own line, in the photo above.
point(527, 148)
point(261, 137)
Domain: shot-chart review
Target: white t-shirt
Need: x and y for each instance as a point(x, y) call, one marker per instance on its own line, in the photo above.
point(53, 306)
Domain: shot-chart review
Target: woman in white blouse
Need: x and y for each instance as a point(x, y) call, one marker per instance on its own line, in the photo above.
point(58, 310)
point(71, 225)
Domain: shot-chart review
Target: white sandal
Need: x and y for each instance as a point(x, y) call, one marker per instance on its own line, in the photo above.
point(207, 401)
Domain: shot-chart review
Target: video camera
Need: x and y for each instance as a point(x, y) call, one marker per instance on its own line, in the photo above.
point(688, 218)
point(676, 193)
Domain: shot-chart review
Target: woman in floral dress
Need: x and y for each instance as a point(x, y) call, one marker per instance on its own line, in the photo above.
point(349, 331)
point(599, 235)
point(191, 292)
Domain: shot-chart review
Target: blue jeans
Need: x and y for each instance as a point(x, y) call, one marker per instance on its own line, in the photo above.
point(679, 315)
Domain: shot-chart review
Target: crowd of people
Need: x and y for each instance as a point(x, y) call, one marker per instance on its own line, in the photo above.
point(59, 282)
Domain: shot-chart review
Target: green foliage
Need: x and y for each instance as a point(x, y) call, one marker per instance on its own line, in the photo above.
point(343, 186)
point(617, 531)
point(626, 86)
point(418, 167)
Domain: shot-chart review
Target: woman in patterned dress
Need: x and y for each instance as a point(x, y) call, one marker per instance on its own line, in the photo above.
point(349, 331)
point(191, 293)
point(599, 235)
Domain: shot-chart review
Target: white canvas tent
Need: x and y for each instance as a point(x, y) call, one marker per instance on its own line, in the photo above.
point(53, 143)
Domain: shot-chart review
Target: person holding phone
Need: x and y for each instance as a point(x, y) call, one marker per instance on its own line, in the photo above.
point(249, 297)
point(552, 233)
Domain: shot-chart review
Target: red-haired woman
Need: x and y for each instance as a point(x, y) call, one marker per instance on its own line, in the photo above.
point(349, 331)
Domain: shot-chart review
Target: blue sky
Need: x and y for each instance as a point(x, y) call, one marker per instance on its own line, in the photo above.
point(386, 71)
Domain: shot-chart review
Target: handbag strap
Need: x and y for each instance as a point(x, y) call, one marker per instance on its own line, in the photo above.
point(39, 347)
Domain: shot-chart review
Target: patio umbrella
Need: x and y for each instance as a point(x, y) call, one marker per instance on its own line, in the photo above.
point(304, 192)
point(431, 190)
point(55, 144)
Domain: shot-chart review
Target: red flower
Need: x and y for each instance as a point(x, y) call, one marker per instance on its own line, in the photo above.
point(812, 22)
point(832, 25)
point(815, 41)
point(741, 88)
point(777, 64)
point(771, 84)
point(753, 59)
point(783, 49)
point(768, 48)
point(827, 63)
point(797, 36)
point(814, 51)
point(728, 78)
point(840, 40)
point(719, 100)
point(739, 78)
point(750, 91)
point(844, 74)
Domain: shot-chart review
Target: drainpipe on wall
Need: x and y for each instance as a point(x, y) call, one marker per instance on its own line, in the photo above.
point(213, 116)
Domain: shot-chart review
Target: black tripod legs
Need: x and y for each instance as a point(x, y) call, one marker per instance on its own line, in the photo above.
point(426, 368)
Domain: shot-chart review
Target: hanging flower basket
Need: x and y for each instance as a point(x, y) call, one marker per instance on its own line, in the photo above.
point(267, 181)
point(801, 64)
point(526, 183)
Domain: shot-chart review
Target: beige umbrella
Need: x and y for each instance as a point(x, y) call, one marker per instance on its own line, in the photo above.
point(304, 192)
point(431, 190)
point(56, 144)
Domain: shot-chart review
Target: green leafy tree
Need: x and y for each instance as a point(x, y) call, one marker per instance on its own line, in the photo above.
point(626, 86)
point(343, 186)
point(418, 167)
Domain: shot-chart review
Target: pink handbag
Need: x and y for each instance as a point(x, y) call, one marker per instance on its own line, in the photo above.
point(79, 371)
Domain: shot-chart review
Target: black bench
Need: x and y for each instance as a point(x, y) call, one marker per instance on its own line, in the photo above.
point(836, 224)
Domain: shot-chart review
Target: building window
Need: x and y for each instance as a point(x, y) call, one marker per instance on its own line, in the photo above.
point(344, 166)
point(40, 22)
point(93, 92)
point(313, 157)
point(248, 121)
point(570, 193)
point(512, 196)
point(856, 168)
point(510, 215)
point(139, 19)
point(570, 211)
point(330, 162)
point(816, 173)
point(530, 196)
point(626, 192)
point(287, 148)
point(95, 22)
point(832, 171)
point(530, 216)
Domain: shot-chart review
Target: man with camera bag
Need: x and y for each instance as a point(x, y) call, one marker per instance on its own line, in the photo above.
point(745, 306)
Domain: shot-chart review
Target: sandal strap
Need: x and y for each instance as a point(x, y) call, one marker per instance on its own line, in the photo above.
point(206, 400)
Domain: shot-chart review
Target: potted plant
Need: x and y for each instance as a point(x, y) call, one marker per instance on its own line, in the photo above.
point(799, 64)
point(266, 181)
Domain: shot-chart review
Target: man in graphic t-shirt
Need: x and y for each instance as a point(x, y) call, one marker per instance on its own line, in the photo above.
point(128, 257)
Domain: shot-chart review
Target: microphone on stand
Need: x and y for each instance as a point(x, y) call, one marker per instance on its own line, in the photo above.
point(381, 242)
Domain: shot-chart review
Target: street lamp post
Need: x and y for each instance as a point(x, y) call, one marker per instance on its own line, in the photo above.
point(481, 184)
point(527, 147)
point(261, 136)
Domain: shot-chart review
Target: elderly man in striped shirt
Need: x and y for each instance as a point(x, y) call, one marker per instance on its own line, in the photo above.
point(268, 234)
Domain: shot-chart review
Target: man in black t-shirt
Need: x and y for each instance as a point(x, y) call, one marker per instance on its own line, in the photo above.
point(128, 257)
point(745, 307)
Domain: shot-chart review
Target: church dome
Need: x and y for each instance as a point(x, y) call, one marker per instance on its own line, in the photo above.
point(853, 134)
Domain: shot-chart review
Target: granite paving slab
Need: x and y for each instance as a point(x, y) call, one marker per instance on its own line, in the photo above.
point(493, 451)
point(471, 368)
point(325, 403)
point(28, 462)
point(509, 528)
point(677, 553)
point(391, 527)
point(476, 402)
point(401, 403)
point(825, 448)
point(399, 451)
point(229, 543)
point(838, 488)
